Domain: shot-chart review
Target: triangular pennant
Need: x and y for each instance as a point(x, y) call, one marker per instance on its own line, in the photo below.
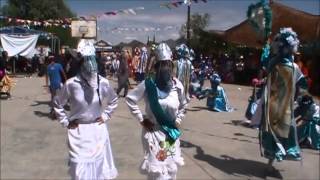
point(139, 8)
point(120, 12)
point(110, 13)
point(131, 11)
point(175, 4)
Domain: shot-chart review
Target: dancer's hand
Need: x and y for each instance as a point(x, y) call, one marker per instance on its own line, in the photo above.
point(147, 124)
point(73, 124)
point(178, 125)
point(100, 120)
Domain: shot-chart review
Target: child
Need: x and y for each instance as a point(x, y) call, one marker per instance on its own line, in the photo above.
point(195, 87)
point(216, 97)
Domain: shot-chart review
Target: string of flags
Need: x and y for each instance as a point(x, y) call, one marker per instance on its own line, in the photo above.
point(176, 4)
point(129, 11)
point(138, 29)
point(66, 22)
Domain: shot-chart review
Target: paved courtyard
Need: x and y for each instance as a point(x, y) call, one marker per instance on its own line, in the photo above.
point(214, 145)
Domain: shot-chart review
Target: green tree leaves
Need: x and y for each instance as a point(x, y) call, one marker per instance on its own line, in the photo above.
point(37, 10)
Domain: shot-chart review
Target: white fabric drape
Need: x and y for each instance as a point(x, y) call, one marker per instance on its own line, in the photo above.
point(19, 45)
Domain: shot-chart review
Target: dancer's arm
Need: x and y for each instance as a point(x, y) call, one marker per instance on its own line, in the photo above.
point(112, 100)
point(183, 103)
point(133, 97)
point(58, 102)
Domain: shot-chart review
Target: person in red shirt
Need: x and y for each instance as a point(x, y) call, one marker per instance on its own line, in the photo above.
point(303, 67)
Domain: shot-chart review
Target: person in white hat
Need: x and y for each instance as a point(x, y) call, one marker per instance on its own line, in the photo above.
point(92, 101)
point(165, 107)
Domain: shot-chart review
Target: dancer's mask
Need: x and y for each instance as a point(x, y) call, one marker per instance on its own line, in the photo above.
point(164, 73)
point(89, 67)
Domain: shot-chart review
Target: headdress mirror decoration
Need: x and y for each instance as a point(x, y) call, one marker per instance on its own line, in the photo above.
point(163, 52)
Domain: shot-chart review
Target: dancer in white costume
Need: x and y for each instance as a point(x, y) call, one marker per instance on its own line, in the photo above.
point(165, 105)
point(92, 100)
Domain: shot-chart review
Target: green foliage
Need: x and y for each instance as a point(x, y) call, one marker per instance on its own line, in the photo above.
point(37, 9)
point(64, 35)
point(42, 10)
point(198, 23)
point(204, 42)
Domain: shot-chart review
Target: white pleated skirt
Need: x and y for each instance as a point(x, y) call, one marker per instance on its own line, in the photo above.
point(90, 153)
point(156, 169)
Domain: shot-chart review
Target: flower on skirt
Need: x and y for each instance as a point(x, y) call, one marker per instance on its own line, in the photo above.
point(161, 155)
point(167, 149)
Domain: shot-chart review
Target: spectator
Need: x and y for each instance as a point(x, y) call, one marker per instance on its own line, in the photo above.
point(123, 74)
point(54, 72)
point(6, 82)
point(101, 64)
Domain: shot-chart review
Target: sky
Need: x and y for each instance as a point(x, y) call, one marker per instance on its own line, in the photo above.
point(223, 15)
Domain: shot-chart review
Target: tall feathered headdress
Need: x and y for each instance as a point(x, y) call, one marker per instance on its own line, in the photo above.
point(260, 17)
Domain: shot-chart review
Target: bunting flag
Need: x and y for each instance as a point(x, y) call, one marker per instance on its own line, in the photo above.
point(129, 11)
point(176, 4)
point(65, 23)
point(138, 29)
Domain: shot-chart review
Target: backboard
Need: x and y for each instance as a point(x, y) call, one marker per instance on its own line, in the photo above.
point(84, 28)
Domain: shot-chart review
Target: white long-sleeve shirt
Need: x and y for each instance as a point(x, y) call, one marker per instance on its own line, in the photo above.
point(84, 101)
point(174, 104)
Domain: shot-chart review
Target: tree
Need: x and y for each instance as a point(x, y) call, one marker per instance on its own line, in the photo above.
point(199, 39)
point(42, 10)
point(198, 23)
point(37, 10)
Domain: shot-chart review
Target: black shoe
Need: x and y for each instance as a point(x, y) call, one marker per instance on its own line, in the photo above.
point(53, 115)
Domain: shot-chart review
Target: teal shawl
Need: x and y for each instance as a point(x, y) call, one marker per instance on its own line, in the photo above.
point(166, 122)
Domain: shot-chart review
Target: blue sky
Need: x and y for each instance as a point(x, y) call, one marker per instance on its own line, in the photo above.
point(224, 14)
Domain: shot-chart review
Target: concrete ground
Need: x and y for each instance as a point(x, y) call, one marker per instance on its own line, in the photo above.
point(214, 145)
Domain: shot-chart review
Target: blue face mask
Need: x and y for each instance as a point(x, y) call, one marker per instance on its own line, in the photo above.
point(163, 80)
point(89, 66)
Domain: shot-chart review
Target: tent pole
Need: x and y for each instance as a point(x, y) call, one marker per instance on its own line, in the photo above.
point(51, 44)
point(54, 46)
point(58, 45)
point(14, 65)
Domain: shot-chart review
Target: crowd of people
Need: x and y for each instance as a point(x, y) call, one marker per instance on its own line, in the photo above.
point(280, 106)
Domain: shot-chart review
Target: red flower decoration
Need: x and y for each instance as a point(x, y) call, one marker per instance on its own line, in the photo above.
point(161, 155)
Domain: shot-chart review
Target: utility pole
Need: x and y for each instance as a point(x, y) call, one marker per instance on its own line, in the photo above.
point(188, 2)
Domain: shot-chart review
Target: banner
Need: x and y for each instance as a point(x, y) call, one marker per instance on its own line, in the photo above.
point(19, 45)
